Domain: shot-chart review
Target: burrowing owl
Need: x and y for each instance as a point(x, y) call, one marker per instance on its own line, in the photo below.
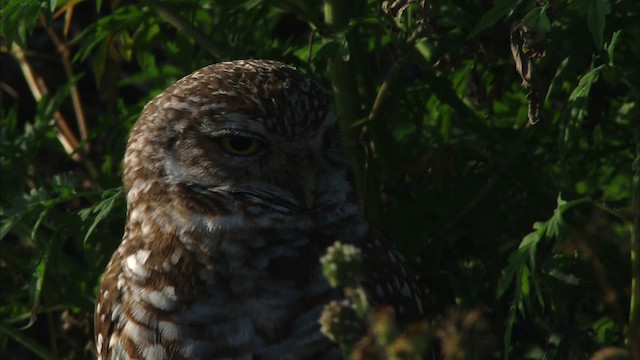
point(236, 184)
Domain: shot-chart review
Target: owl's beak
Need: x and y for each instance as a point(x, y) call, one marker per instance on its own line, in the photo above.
point(308, 184)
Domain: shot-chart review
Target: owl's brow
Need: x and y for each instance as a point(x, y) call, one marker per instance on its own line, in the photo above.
point(233, 122)
point(281, 200)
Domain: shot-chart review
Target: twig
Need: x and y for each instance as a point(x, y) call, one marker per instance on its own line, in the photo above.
point(382, 93)
point(64, 133)
point(67, 10)
point(38, 89)
point(63, 49)
point(310, 47)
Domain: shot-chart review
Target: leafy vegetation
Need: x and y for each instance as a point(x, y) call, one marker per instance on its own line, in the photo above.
point(498, 143)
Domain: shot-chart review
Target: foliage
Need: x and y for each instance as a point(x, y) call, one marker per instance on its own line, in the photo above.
point(470, 123)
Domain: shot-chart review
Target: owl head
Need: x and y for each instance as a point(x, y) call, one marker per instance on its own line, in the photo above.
point(243, 136)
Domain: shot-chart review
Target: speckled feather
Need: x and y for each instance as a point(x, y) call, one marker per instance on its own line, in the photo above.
point(220, 255)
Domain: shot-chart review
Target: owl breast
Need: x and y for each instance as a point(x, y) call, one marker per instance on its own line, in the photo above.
point(228, 287)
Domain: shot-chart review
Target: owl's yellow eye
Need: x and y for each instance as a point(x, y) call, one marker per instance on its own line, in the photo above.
point(240, 145)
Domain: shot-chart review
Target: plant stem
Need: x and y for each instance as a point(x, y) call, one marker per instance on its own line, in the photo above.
point(348, 106)
point(633, 336)
point(343, 77)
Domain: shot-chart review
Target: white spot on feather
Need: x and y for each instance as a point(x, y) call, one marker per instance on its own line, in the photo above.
point(175, 257)
point(142, 256)
point(168, 330)
point(137, 333)
point(160, 301)
point(155, 351)
point(135, 267)
point(99, 342)
point(170, 292)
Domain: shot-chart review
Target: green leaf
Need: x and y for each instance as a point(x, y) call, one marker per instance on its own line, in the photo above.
point(106, 30)
point(501, 9)
point(37, 280)
point(517, 261)
point(556, 225)
point(604, 328)
point(103, 208)
point(7, 224)
point(21, 205)
point(48, 7)
point(611, 49)
point(597, 11)
point(525, 287)
point(19, 18)
point(537, 19)
point(64, 184)
point(586, 82)
point(576, 112)
point(511, 321)
point(557, 78)
point(336, 47)
point(38, 222)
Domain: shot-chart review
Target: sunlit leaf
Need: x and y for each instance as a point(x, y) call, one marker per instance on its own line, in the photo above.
point(101, 209)
point(517, 261)
point(18, 18)
point(577, 108)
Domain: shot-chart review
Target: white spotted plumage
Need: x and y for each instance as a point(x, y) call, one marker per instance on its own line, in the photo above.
point(220, 255)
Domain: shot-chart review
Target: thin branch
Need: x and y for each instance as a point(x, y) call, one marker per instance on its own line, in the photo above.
point(310, 47)
point(38, 90)
point(64, 133)
point(63, 49)
point(383, 92)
